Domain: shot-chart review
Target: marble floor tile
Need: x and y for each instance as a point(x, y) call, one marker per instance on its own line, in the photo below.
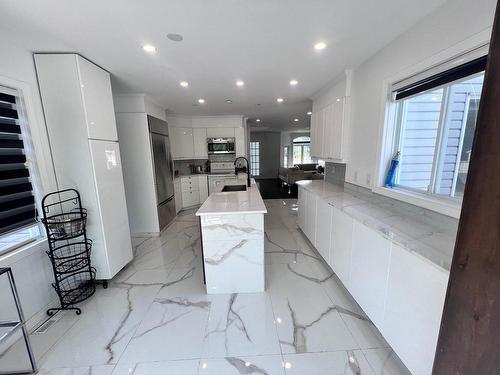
point(281, 247)
point(327, 363)
point(240, 325)
point(106, 325)
point(261, 365)
point(156, 318)
point(188, 367)
point(16, 356)
point(184, 282)
point(173, 328)
point(86, 370)
point(385, 362)
point(308, 321)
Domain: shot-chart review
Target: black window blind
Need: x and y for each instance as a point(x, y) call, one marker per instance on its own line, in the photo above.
point(450, 75)
point(17, 202)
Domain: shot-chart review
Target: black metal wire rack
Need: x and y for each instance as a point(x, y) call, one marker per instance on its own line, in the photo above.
point(69, 251)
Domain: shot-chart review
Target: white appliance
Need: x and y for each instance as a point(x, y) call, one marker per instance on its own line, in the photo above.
point(79, 114)
point(220, 173)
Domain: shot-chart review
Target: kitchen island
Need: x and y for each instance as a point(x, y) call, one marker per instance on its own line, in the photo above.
point(232, 230)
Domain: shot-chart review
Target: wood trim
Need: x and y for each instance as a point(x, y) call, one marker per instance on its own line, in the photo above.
point(469, 340)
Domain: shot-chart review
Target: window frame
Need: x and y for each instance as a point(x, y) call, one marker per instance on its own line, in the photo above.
point(441, 135)
point(450, 57)
point(35, 232)
point(255, 147)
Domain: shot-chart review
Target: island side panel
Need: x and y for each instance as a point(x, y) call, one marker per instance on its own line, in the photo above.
point(233, 252)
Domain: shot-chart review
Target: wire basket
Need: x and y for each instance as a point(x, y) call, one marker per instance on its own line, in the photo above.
point(71, 257)
point(66, 225)
point(75, 287)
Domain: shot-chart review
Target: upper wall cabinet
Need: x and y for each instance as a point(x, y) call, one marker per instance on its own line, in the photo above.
point(239, 134)
point(220, 132)
point(181, 142)
point(200, 143)
point(329, 130)
point(95, 85)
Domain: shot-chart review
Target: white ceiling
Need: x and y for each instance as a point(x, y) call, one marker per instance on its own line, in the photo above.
point(263, 42)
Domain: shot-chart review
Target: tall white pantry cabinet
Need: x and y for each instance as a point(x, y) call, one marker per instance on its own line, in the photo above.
point(80, 119)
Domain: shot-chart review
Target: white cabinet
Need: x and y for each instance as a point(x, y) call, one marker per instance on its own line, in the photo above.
point(80, 120)
point(341, 250)
point(181, 142)
point(191, 142)
point(239, 134)
point(178, 195)
point(329, 130)
point(193, 190)
point(415, 299)
point(220, 132)
point(301, 209)
point(200, 143)
point(310, 219)
point(324, 213)
point(203, 185)
point(369, 269)
point(95, 86)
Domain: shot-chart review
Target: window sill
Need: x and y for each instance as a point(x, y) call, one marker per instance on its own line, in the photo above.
point(441, 206)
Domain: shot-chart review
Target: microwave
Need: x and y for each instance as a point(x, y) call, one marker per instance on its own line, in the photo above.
point(221, 146)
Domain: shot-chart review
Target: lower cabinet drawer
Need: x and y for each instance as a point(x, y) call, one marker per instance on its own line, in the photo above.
point(190, 183)
point(190, 198)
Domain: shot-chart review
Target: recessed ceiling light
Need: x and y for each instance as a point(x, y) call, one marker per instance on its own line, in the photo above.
point(240, 83)
point(309, 113)
point(258, 120)
point(184, 83)
point(175, 37)
point(294, 82)
point(338, 100)
point(280, 100)
point(149, 48)
point(229, 101)
point(319, 46)
point(201, 101)
point(295, 120)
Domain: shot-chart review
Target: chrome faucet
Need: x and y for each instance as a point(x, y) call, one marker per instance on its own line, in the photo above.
point(248, 168)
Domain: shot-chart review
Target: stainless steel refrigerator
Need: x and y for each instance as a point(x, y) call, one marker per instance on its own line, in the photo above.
point(163, 170)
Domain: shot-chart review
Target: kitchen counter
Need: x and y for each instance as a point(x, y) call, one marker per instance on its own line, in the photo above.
point(190, 175)
point(422, 234)
point(238, 202)
point(232, 233)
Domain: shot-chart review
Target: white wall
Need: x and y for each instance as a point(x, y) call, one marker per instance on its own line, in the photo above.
point(31, 268)
point(138, 103)
point(458, 24)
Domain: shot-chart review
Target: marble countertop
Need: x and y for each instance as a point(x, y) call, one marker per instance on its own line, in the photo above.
point(191, 174)
point(235, 202)
point(422, 234)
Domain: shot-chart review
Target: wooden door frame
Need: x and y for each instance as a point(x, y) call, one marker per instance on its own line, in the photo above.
point(469, 339)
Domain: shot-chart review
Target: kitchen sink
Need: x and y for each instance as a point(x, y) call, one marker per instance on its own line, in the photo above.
point(234, 188)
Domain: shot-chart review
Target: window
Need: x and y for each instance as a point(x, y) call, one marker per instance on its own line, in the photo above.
point(254, 158)
point(17, 201)
point(301, 150)
point(435, 124)
point(285, 156)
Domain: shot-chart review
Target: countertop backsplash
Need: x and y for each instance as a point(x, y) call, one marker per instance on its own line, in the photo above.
point(184, 166)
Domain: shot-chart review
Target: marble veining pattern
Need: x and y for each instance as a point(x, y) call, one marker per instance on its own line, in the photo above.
point(428, 236)
point(156, 318)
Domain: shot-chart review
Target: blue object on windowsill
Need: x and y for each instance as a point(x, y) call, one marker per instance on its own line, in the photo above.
point(391, 174)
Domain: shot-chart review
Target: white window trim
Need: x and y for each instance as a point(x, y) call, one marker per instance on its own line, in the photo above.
point(446, 206)
point(39, 160)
